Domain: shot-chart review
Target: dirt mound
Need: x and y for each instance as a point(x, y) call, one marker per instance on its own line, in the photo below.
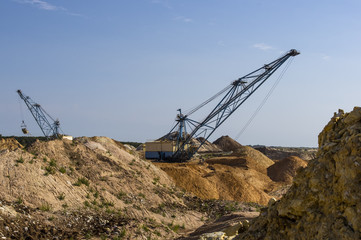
point(241, 176)
point(96, 175)
point(207, 146)
point(9, 144)
point(285, 170)
point(324, 200)
point(256, 159)
point(227, 144)
point(228, 178)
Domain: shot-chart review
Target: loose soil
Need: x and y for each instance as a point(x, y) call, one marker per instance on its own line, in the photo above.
point(227, 144)
point(97, 188)
point(239, 177)
point(286, 169)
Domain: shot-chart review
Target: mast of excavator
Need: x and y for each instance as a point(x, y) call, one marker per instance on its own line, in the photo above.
point(234, 96)
point(51, 128)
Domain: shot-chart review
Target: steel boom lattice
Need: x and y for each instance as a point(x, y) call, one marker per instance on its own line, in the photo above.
point(234, 96)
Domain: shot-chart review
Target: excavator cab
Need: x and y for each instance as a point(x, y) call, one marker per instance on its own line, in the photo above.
point(23, 128)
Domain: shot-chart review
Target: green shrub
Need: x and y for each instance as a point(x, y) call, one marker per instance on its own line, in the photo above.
point(62, 170)
point(121, 195)
point(81, 181)
point(61, 196)
point(52, 163)
point(20, 160)
point(19, 200)
point(45, 207)
point(86, 204)
point(49, 170)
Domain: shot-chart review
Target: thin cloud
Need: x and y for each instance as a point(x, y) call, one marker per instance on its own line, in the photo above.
point(262, 46)
point(221, 43)
point(326, 57)
point(41, 5)
point(164, 3)
point(183, 19)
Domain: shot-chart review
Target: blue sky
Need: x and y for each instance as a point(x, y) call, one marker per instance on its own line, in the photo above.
point(122, 68)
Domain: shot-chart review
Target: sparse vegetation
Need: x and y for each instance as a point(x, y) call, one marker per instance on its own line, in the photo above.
point(49, 170)
point(19, 200)
point(121, 195)
point(81, 181)
point(52, 163)
point(62, 170)
point(20, 160)
point(155, 180)
point(145, 228)
point(107, 203)
point(96, 194)
point(86, 204)
point(45, 207)
point(61, 196)
point(175, 227)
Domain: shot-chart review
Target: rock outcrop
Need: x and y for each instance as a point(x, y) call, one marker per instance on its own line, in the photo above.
point(324, 201)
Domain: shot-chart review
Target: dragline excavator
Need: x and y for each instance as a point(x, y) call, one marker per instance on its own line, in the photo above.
point(47, 124)
point(180, 145)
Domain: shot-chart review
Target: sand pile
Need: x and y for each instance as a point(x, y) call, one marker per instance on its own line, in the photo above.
point(285, 170)
point(95, 175)
point(256, 159)
point(218, 180)
point(240, 177)
point(207, 146)
point(227, 144)
point(324, 200)
point(9, 144)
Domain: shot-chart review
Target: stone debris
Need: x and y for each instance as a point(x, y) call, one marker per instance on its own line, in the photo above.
point(213, 236)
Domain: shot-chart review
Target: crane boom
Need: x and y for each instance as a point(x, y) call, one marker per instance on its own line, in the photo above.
point(41, 117)
point(235, 95)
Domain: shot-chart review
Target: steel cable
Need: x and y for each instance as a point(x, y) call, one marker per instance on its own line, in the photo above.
point(264, 100)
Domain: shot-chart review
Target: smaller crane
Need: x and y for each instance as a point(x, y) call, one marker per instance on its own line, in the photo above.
point(50, 128)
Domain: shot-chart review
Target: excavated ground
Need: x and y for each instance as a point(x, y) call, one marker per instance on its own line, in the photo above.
point(96, 188)
point(92, 187)
point(241, 176)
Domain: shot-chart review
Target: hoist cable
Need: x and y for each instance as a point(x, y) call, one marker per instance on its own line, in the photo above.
point(264, 100)
point(191, 111)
